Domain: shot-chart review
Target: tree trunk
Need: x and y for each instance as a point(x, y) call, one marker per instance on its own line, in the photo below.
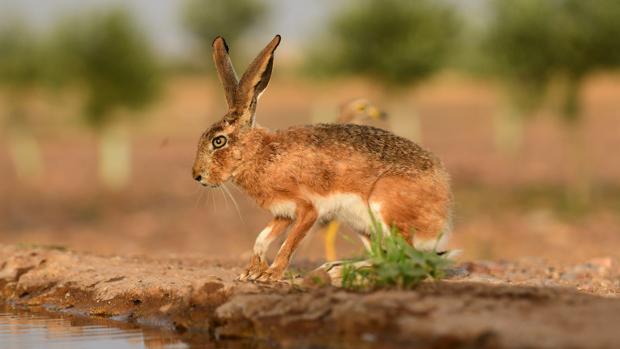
point(508, 130)
point(25, 154)
point(114, 157)
point(22, 144)
point(579, 189)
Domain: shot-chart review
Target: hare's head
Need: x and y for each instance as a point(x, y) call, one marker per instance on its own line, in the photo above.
point(221, 147)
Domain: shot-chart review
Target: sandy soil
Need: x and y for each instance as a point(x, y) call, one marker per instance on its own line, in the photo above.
point(529, 303)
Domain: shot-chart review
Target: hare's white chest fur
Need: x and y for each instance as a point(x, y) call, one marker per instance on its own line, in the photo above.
point(349, 208)
point(283, 209)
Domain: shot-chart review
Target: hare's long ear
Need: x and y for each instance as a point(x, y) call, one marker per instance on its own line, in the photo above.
point(225, 70)
point(254, 81)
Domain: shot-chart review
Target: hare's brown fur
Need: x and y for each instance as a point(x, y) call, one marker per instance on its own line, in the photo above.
point(310, 173)
point(345, 158)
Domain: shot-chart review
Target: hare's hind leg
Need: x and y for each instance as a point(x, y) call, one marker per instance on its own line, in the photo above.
point(419, 207)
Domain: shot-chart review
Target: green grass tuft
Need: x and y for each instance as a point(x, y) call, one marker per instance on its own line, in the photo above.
point(392, 262)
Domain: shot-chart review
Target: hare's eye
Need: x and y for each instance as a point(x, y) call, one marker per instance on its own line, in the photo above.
point(219, 142)
point(361, 107)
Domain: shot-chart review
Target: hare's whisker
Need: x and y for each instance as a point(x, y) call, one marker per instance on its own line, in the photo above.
point(232, 198)
point(202, 199)
point(213, 199)
point(236, 187)
point(199, 196)
point(224, 195)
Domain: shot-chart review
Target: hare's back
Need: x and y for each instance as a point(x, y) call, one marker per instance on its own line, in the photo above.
point(375, 143)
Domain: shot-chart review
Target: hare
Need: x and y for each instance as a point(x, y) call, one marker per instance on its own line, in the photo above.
point(316, 173)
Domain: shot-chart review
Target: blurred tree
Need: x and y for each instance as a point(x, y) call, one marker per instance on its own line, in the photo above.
point(20, 71)
point(397, 42)
point(588, 42)
point(107, 55)
point(531, 43)
point(206, 19)
point(521, 50)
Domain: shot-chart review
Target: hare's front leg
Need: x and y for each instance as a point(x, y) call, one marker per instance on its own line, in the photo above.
point(258, 264)
point(306, 216)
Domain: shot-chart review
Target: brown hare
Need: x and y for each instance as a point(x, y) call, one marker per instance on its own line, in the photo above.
point(308, 174)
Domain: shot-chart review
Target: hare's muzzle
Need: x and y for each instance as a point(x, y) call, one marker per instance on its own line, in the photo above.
point(198, 177)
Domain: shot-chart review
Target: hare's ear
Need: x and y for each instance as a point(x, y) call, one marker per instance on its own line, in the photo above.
point(254, 81)
point(225, 70)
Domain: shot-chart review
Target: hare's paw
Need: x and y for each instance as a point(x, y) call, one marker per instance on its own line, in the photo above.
point(271, 274)
point(254, 270)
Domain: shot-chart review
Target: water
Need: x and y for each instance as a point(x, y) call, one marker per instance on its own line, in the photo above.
point(22, 329)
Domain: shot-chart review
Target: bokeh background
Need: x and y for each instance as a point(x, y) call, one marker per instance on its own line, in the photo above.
point(102, 103)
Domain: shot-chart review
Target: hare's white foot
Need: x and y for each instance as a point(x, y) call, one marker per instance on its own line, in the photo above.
point(334, 269)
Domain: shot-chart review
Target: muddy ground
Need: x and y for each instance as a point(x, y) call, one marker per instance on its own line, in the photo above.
point(529, 303)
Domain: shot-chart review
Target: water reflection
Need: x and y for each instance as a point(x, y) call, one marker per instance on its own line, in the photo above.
point(22, 329)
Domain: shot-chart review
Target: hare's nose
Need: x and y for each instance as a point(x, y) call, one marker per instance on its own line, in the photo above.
point(198, 178)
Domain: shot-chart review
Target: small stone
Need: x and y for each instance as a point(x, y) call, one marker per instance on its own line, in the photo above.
point(457, 272)
point(569, 276)
point(604, 262)
point(317, 279)
point(369, 337)
point(165, 308)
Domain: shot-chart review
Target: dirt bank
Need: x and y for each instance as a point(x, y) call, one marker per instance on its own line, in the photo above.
point(485, 305)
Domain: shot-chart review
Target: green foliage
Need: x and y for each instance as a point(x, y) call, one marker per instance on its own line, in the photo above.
point(392, 262)
point(589, 32)
point(111, 58)
point(521, 47)
point(528, 43)
point(398, 42)
point(588, 41)
point(20, 59)
point(207, 19)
